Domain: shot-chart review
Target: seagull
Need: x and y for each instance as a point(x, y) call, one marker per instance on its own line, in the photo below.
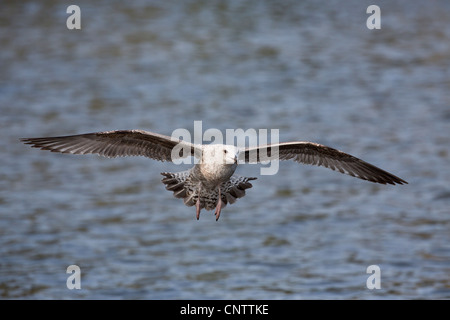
point(211, 182)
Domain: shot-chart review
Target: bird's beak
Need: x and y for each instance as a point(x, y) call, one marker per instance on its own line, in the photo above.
point(235, 159)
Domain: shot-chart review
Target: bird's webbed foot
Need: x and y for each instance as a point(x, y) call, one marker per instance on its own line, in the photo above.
point(197, 205)
point(219, 206)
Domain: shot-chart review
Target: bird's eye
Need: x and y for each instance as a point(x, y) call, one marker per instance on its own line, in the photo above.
point(225, 151)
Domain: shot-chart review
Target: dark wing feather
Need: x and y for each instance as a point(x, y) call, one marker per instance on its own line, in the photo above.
point(119, 143)
point(320, 155)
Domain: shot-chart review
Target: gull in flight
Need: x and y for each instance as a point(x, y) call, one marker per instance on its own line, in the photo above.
point(211, 183)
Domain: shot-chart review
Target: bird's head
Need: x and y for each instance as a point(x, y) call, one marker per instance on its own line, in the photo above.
point(220, 154)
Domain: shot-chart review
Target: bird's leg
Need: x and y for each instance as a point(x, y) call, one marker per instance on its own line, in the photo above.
point(197, 205)
point(219, 206)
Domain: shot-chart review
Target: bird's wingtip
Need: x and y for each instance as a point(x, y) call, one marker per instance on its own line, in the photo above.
point(26, 140)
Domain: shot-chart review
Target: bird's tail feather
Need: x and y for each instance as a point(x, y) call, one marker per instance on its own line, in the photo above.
point(190, 190)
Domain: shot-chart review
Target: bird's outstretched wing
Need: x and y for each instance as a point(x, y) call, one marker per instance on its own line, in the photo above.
point(119, 143)
point(319, 155)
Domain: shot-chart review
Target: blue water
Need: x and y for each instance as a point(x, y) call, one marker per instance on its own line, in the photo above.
point(312, 70)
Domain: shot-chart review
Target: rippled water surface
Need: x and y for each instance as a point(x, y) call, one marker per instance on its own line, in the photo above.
point(312, 70)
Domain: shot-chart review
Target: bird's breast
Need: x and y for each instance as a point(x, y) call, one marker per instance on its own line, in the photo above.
point(215, 174)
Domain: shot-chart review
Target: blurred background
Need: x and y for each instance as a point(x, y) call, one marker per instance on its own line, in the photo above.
point(311, 69)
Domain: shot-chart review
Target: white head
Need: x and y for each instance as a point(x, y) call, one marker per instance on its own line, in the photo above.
point(220, 154)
